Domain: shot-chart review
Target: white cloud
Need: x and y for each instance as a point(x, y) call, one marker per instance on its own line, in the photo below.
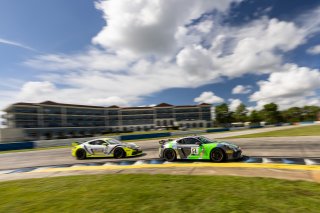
point(36, 91)
point(150, 46)
point(234, 103)
point(208, 97)
point(241, 89)
point(149, 27)
point(113, 100)
point(291, 86)
point(16, 44)
point(315, 50)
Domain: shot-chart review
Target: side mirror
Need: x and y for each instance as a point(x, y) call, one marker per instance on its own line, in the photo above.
point(198, 143)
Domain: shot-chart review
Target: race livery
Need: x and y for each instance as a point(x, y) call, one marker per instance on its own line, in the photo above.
point(198, 147)
point(105, 147)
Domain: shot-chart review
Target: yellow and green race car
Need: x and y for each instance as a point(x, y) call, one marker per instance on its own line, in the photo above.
point(105, 147)
point(198, 147)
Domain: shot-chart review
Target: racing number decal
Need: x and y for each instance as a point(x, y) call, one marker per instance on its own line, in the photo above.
point(194, 150)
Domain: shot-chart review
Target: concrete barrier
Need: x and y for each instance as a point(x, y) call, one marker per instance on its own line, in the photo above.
point(306, 122)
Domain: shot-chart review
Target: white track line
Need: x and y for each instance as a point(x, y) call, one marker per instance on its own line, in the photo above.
point(310, 162)
point(266, 160)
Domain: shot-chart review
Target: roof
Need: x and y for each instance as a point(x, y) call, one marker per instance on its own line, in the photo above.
point(51, 103)
point(114, 106)
point(204, 104)
point(164, 105)
point(186, 106)
point(137, 108)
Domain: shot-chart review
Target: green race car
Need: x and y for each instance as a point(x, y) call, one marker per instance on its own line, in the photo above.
point(105, 147)
point(198, 147)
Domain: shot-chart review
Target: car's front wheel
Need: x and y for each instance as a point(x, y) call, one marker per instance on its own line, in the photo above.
point(81, 154)
point(217, 155)
point(169, 155)
point(119, 153)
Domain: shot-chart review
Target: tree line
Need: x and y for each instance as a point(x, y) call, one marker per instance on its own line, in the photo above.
point(270, 114)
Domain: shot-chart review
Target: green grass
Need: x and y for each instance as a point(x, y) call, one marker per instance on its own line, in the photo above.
point(158, 193)
point(299, 131)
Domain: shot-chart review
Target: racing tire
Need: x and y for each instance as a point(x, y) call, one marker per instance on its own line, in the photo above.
point(119, 153)
point(217, 155)
point(81, 154)
point(169, 155)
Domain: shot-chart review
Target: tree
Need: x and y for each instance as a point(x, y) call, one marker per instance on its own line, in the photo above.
point(240, 115)
point(292, 114)
point(223, 115)
point(271, 114)
point(255, 117)
point(309, 113)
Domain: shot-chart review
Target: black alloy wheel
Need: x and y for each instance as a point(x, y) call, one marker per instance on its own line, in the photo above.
point(169, 155)
point(81, 154)
point(217, 155)
point(119, 153)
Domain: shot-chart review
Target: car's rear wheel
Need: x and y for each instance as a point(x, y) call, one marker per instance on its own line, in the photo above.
point(169, 155)
point(81, 154)
point(217, 155)
point(119, 153)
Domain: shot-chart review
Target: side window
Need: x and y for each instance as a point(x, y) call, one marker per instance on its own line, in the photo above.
point(100, 142)
point(191, 140)
point(92, 143)
point(97, 142)
point(181, 141)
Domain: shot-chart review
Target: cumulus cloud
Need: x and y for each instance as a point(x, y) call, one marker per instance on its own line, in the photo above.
point(315, 50)
point(234, 103)
point(208, 97)
point(291, 86)
point(149, 27)
point(151, 46)
point(241, 89)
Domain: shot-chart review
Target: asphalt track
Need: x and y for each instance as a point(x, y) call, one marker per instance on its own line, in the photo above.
point(293, 147)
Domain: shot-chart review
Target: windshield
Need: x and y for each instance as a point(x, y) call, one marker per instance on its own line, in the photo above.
point(114, 141)
point(205, 139)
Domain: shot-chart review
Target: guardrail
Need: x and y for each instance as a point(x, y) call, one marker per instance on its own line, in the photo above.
point(17, 146)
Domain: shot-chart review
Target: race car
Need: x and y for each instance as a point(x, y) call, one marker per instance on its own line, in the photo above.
point(198, 147)
point(104, 147)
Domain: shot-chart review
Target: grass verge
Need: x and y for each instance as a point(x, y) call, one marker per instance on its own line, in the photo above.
point(313, 130)
point(158, 193)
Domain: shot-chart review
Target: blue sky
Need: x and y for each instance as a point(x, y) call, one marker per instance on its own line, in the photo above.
point(134, 53)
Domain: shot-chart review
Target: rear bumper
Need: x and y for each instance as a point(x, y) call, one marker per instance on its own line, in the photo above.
point(161, 152)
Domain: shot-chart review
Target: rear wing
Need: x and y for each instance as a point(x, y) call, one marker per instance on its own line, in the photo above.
point(75, 143)
point(165, 141)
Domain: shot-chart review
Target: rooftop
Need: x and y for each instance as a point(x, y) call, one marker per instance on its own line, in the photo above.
point(51, 103)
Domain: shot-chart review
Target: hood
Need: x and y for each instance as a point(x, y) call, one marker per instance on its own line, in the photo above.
point(132, 145)
point(229, 144)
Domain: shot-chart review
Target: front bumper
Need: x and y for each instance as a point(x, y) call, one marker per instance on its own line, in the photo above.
point(137, 152)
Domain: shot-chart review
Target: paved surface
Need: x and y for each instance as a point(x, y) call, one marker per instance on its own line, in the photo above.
point(308, 146)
